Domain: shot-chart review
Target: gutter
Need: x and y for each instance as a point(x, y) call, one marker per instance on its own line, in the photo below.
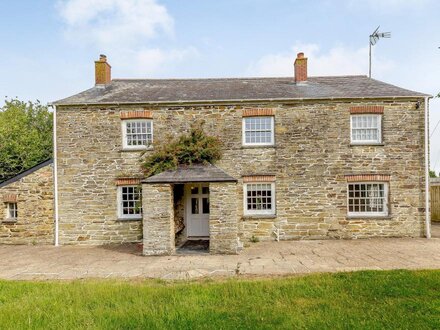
point(234, 101)
point(55, 175)
point(427, 189)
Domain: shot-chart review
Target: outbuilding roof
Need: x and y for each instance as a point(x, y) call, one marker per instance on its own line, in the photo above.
point(144, 91)
point(26, 173)
point(191, 173)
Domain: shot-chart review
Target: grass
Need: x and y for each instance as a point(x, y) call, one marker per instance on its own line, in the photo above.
point(362, 300)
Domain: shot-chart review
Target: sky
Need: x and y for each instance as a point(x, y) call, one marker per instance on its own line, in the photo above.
point(48, 48)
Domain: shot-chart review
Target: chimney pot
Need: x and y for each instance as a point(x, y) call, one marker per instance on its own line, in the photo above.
point(103, 71)
point(300, 68)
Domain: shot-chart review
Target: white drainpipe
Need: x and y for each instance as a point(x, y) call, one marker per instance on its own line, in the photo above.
point(55, 174)
point(427, 192)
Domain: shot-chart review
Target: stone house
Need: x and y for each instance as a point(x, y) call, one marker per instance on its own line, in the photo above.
point(303, 158)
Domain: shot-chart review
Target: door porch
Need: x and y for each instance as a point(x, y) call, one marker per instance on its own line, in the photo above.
point(191, 202)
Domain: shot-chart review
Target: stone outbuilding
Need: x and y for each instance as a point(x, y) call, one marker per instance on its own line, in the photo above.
point(27, 207)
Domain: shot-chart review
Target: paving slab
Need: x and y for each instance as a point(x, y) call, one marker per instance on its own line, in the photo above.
point(259, 259)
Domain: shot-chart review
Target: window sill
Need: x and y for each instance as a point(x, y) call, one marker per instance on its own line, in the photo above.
point(374, 144)
point(10, 220)
point(129, 219)
point(258, 216)
point(135, 149)
point(258, 146)
point(369, 217)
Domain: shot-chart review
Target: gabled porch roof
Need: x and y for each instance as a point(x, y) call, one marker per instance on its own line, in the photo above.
point(191, 173)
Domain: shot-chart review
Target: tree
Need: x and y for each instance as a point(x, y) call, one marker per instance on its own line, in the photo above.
point(25, 136)
point(432, 174)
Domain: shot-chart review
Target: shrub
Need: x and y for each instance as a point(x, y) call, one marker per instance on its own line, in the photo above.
point(195, 147)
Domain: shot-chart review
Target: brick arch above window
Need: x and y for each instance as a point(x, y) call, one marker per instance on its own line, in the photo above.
point(259, 178)
point(258, 112)
point(367, 109)
point(136, 114)
point(10, 198)
point(367, 177)
point(128, 181)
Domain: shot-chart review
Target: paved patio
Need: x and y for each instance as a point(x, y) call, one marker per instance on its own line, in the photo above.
point(260, 259)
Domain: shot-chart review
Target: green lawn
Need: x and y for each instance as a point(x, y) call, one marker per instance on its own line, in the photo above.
point(363, 300)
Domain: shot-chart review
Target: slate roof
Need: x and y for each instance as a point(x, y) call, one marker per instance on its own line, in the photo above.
point(192, 173)
point(138, 91)
point(25, 173)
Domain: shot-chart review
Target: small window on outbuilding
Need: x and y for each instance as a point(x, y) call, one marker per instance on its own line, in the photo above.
point(11, 211)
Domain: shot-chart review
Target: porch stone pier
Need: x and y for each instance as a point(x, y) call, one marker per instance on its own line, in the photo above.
point(158, 219)
point(223, 217)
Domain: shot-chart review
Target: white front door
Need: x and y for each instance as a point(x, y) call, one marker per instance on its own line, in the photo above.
point(197, 210)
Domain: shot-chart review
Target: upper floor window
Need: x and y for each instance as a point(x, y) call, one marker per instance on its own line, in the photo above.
point(259, 198)
point(367, 199)
point(11, 211)
point(129, 202)
point(366, 129)
point(137, 134)
point(258, 131)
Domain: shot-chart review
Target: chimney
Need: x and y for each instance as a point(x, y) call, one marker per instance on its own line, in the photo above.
point(103, 71)
point(300, 68)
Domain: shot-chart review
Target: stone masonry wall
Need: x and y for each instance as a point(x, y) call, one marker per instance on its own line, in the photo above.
point(159, 236)
point(311, 156)
point(223, 226)
point(35, 221)
point(90, 159)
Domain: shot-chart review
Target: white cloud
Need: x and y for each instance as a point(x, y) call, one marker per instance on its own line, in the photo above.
point(126, 31)
point(339, 60)
point(155, 60)
point(107, 22)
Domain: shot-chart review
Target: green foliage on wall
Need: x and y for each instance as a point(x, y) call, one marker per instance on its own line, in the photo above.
point(195, 147)
point(25, 136)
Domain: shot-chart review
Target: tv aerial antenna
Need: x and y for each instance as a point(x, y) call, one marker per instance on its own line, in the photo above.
point(374, 38)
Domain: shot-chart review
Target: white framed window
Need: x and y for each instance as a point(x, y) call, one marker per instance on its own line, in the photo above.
point(137, 133)
point(129, 202)
point(366, 129)
point(368, 199)
point(11, 211)
point(258, 131)
point(259, 198)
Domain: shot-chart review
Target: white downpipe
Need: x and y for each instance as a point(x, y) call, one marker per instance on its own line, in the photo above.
point(427, 192)
point(55, 174)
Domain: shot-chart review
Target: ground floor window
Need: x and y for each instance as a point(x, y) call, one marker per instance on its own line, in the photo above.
point(259, 198)
point(11, 211)
point(129, 202)
point(368, 199)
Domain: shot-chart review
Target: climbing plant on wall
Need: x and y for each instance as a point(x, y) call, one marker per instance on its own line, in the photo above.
point(194, 147)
